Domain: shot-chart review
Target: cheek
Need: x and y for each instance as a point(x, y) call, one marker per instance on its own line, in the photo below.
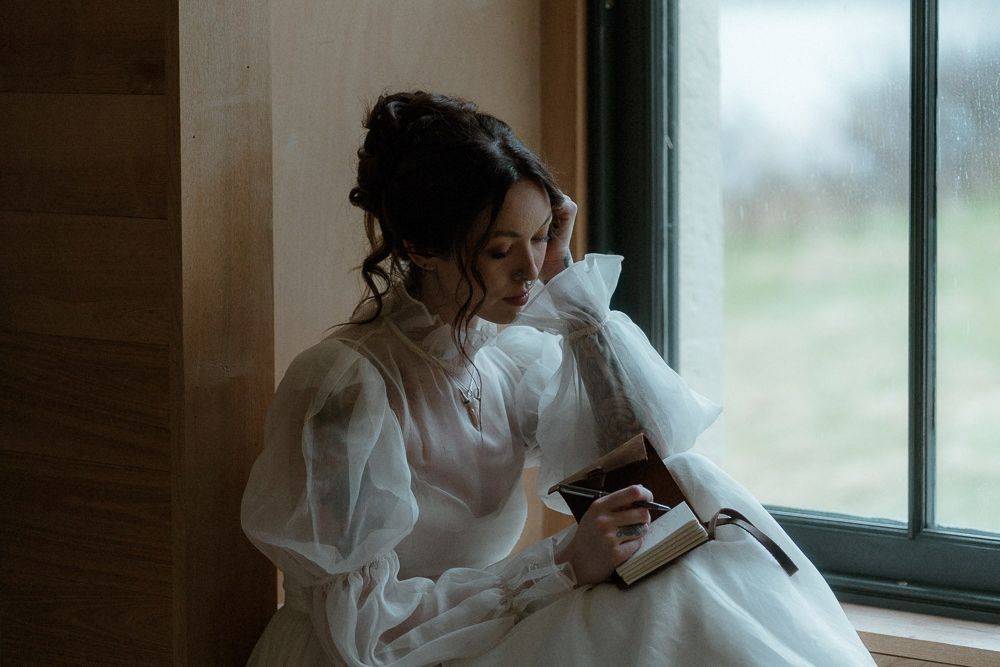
point(495, 283)
point(539, 253)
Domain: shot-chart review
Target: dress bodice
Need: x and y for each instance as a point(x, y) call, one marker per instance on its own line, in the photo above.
point(465, 480)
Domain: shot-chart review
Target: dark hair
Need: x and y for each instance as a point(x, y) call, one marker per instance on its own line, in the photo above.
point(429, 168)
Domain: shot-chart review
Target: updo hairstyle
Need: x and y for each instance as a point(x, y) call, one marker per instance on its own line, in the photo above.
point(431, 167)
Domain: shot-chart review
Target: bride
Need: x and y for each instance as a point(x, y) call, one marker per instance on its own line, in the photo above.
point(389, 490)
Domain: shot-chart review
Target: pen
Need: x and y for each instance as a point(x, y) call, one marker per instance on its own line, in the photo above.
point(594, 493)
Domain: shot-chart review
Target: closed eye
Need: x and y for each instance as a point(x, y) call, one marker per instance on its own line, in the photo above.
point(545, 236)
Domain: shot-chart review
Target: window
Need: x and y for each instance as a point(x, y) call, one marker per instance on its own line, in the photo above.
point(808, 196)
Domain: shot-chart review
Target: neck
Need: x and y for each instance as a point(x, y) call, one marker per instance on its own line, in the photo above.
point(437, 302)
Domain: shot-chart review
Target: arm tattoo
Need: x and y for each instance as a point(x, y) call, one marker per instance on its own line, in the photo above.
point(603, 377)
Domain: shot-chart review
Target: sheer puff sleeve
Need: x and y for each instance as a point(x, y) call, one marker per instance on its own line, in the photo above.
point(579, 360)
point(329, 499)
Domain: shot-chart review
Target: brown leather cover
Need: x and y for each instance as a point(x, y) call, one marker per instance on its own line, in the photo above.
point(637, 462)
point(634, 462)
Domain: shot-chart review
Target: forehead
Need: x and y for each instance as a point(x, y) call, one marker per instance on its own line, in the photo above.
point(525, 208)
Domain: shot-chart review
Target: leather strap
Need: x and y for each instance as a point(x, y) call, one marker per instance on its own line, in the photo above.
point(730, 517)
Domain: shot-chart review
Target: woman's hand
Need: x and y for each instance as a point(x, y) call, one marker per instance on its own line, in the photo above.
point(609, 533)
point(557, 253)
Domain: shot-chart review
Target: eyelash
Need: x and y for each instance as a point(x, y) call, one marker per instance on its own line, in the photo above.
point(504, 253)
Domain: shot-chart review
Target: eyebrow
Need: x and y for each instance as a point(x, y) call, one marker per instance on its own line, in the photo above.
point(514, 235)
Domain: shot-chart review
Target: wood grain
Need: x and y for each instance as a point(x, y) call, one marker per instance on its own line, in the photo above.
point(564, 103)
point(82, 46)
point(84, 563)
point(564, 131)
point(951, 652)
point(83, 631)
point(883, 660)
point(133, 374)
point(86, 400)
point(84, 154)
point(924, 637)
point(85, 277)
point(221, 206)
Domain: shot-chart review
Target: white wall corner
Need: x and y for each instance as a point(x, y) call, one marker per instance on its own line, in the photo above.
point(700, 209)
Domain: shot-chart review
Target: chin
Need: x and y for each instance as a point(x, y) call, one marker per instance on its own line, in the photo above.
point(502, 317)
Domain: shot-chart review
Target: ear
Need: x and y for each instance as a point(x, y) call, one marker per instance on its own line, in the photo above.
point(422, 261)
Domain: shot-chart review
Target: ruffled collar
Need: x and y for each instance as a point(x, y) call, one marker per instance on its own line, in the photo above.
point(427, 332)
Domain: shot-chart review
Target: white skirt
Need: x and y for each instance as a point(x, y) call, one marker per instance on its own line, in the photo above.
point(726, 603)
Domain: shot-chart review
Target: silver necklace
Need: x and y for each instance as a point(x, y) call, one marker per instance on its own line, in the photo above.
point(471, 397)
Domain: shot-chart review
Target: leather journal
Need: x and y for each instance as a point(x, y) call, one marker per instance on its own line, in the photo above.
point(673, 530)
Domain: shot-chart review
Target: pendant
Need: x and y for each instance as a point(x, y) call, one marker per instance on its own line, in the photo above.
point(470, 408)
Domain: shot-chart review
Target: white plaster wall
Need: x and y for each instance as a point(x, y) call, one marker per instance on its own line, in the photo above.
point(700, 209)
point(329, 61)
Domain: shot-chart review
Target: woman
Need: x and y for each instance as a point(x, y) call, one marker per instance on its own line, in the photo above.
point(389, 490)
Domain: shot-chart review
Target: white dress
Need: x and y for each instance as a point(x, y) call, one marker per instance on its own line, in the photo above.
point(391, 514)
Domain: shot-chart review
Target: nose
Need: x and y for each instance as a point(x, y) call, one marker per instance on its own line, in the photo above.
point(528, 269)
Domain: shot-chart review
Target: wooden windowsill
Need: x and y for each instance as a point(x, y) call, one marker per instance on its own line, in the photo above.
point(919, 637)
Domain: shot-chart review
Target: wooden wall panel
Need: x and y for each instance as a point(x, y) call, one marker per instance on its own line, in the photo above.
point(84, 154)
point(84, 400)
point(85, 276)
point(84, 563)
point(221, 206)
point(564, 103)
point(564, 147)
point(87, 317)
point(82, 46)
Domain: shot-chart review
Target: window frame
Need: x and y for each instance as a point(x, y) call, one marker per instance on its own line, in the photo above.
point(632, 154)
point(632, 180)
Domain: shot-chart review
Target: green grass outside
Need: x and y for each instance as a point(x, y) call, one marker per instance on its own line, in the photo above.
point(816, 365)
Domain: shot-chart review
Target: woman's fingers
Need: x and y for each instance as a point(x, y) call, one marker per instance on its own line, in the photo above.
point(557, 252)
point(624, 498)
point(623, 521)
point(611, 530)
point(631, 517)
point(563, 220)
point(631, 532)
point(566, 211)
point(626, 549)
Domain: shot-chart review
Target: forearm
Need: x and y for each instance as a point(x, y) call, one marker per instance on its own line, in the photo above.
point(371, 617)
point(615, 414)
point(611, 382)
point(552, 267)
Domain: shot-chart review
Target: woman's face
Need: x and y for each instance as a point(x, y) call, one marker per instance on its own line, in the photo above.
point(509, 261)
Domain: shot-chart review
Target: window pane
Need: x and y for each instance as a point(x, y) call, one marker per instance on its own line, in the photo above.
point(815, 133)
point(968, 408)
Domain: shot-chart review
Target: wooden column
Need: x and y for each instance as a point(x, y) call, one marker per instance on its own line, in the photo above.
point(85, 335)
point(219, 207)
point(564, 133)
point(136, 352)
point(564, 102)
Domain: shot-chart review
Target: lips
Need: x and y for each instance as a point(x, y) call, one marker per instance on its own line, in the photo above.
point(519, 300)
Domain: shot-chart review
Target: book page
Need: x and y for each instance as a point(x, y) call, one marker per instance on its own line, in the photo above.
point(664, 527)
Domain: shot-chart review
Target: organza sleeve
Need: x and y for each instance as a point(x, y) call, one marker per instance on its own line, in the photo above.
point(328, 501)
point(607, 383)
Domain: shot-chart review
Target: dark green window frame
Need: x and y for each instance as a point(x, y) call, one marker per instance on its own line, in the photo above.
point(632, 146)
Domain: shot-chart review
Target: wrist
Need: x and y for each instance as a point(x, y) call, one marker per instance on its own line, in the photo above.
point(553, 267)
point(560, 554)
